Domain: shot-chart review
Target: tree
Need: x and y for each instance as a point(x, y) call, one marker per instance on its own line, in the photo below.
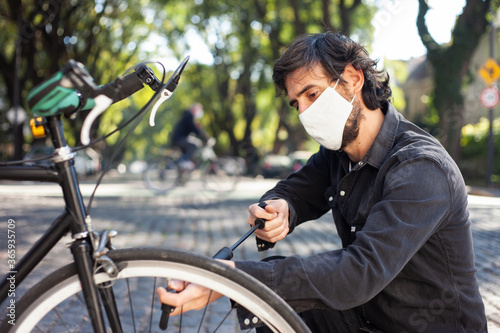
point(245, 38)
point(104, 35)
point(450, 63)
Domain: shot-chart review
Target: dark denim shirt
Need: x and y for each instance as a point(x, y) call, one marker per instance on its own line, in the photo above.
point(407, 261)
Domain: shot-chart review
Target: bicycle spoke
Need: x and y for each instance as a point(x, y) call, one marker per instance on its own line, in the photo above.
point(61, 319)
point(131, 306)
point(152, 306)
point(182, 310)
point(224, 319)
point(205, 311)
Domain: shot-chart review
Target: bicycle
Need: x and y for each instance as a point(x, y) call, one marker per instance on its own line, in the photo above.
point(97, 292)
point(220, 174)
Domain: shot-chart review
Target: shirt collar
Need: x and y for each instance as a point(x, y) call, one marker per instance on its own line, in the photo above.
point(384, 141)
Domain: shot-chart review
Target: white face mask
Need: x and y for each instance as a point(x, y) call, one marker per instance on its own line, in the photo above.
point(325, 119)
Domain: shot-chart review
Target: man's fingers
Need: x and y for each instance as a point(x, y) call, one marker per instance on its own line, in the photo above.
point(177, 285)
point(267, 213)
point(193, 297)
point(271, 209)
point(168, 297)
point(275, 231)
point(278, 223)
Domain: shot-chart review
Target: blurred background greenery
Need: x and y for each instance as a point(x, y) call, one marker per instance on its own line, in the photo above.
point(233, 45)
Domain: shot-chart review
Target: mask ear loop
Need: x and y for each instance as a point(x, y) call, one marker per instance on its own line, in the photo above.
point(353, 98)
point(335, 86)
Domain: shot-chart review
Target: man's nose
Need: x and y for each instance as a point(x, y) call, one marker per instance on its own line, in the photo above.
point(303, 106)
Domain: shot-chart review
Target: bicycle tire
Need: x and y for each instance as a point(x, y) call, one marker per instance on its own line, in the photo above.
point(222, 175)
point(162, 175)
point(46, 305)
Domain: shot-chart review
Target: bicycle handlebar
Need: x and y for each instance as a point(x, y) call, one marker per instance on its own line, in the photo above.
point(72, 89)
point(108, 94)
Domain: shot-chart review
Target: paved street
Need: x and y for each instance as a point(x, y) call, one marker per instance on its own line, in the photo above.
point(203, 222)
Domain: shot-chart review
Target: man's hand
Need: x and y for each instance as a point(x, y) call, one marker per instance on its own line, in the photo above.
point(276, 216)
point(188, 296)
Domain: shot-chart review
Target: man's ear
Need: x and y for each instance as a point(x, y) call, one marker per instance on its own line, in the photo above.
point(354, 77)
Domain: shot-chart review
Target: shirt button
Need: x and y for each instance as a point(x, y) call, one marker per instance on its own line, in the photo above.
point(330, 199)
point(342, 193)
point(361, 163)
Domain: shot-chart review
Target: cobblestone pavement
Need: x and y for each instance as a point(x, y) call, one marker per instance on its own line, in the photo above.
point(203, 223)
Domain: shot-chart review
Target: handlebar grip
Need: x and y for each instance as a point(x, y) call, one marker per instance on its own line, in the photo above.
point(121, 88)
point(72, 89)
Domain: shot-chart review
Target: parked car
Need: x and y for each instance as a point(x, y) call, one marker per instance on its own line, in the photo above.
point(275, 166)
point(280, 166)
point(298, 159)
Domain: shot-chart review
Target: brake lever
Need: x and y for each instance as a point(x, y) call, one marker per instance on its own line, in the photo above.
point(164, 95)
point(168, 90)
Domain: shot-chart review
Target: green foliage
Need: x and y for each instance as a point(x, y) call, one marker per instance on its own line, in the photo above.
point(244, 39)
point(475, 145)
point(104, 35)
point(233, 83)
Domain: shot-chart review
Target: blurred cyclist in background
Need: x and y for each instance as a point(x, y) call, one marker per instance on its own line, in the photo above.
point(187, 134)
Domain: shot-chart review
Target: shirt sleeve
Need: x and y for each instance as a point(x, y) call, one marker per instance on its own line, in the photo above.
point(304, 190)
point(412, 208)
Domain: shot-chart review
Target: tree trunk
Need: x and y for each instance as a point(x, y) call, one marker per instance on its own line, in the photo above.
point(451, 63)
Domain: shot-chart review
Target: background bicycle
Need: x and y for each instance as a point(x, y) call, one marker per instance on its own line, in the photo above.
point(210, 171)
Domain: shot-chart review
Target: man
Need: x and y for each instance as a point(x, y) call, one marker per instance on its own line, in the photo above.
point(182, 135)
point(397, 198)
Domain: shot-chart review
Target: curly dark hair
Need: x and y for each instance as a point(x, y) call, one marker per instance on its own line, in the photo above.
point(334, 52)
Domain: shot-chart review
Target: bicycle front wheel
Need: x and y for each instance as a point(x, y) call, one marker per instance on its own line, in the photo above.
point(56, 303)
point(162, 175)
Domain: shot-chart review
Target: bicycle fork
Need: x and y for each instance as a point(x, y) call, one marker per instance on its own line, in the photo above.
point(84, 245)
point(84, 266)
point(96, 296)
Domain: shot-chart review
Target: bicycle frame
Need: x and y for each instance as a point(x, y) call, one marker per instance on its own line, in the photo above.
point(72, 220)
point(67, 92)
